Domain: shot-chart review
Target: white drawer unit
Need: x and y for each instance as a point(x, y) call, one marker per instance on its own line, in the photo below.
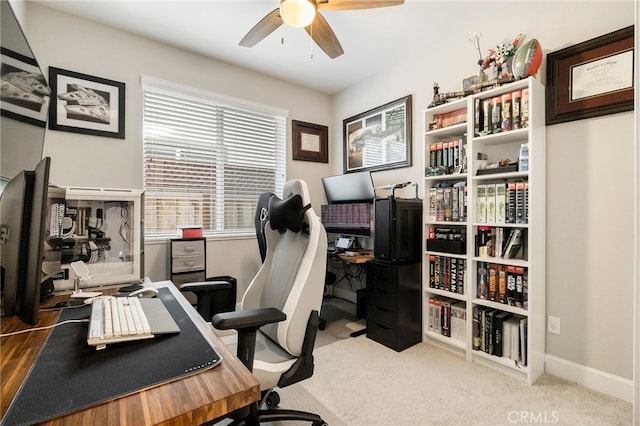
point(188, 260)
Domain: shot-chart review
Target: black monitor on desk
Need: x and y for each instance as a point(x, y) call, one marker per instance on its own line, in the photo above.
point(350, 198)
point(349, 188)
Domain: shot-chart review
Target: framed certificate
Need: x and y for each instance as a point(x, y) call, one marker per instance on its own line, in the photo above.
point(591, 79)
point(310, 142)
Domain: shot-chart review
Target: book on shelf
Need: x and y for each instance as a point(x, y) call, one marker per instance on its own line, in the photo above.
point(462, 275)
point(520, 283)
point(432, 271)
point(511, 285)
point(483, 281)
point(513, 325)
point(453, 275)
point(476, 328)
point(459, 321)
point(490, 195)
point(462, 200)
point(511, 202)
point(445, 320)
point(486, 117)
point(523, 158)
point(488, 322)
point(493, 281)
point(435, 313)
point(481, 204)
point(515, 108)
point(451, 118)
point(502, 284)
point(524, 108)
point(496, 114)
point(498, 332)
point(524, 322)
point(514, 244)
point(501, 203)
point(506, 122)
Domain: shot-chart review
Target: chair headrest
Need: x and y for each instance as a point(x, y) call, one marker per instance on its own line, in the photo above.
point(296, 186)
point(287, 214)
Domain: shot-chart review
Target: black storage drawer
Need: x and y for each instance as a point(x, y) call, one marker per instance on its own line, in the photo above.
point(383, 316)
point(394, 310)
point(381, 334)
point(381, 298)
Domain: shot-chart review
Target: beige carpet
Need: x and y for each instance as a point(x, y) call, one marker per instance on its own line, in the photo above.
point(364, 383)
point(359, 382)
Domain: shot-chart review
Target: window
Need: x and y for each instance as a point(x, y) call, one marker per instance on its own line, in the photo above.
point(207, 158)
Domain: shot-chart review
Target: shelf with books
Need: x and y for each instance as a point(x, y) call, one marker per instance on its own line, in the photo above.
point(501, 203)
point(445, 293)
point(448, 340)
point(501, 307)
point(503, 361)
point(446, 132)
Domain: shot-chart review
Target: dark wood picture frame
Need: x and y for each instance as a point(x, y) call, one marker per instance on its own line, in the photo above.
point(380, 138)
point(592, 78)
point(310, 141)
point(28, 99)
point(82, 103)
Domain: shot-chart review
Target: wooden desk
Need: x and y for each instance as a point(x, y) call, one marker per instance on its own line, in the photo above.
point(358, 257)
point(191, 400)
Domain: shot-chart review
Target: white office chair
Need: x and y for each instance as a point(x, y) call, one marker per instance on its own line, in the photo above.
point(278, 320)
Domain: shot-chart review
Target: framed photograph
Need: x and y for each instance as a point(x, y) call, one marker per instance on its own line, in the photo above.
point(83, 103)
point(25, 93)
point(592, 78)
point(379, 138)
point(310, 142)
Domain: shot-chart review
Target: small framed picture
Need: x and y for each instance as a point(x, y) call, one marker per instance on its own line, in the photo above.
point(310, 142)
point(83, 103)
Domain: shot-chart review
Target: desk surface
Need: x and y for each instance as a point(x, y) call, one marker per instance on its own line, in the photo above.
point(358, 256)
point(191, 400)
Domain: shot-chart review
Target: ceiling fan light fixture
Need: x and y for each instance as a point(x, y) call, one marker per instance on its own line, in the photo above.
point(297, 13)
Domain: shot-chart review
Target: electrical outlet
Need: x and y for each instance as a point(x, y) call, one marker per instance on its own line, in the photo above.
point(553, 325)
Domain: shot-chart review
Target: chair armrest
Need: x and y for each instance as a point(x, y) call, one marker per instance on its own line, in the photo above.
point(247, 323)
point(205, 286)
point(247, 320)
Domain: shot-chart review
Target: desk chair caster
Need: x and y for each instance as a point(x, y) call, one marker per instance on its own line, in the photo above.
point(272, 400)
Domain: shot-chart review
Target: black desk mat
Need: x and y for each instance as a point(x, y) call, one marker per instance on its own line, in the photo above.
point(69, 375)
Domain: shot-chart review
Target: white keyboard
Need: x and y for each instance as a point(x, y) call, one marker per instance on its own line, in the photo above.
point(117, 319)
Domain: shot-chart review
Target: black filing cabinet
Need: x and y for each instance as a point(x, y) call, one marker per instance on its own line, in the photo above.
point(394, 310)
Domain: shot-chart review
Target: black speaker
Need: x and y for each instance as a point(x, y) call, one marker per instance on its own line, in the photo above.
point(398, 229)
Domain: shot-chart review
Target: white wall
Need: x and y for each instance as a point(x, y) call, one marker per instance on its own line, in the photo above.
point(589, 169)
point(76, 44)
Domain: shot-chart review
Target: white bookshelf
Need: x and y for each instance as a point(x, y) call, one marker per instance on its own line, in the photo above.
point(498, 146)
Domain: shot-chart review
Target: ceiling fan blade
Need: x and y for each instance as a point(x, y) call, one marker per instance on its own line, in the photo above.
point(355, 4)
point(266, 26)
point(325, 38)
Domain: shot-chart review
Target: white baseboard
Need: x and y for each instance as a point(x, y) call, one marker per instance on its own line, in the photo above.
point(591, 378)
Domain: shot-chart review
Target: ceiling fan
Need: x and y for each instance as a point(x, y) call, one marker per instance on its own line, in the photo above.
point(305, 13)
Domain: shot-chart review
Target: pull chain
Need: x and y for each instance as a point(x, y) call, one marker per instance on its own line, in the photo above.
point(311, 43)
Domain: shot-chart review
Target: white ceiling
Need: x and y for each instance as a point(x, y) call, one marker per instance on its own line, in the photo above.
point(372, 39)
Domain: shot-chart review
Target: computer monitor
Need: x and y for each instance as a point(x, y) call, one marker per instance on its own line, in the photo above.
point(353, 219)
point(349, 188)
point(23, 217)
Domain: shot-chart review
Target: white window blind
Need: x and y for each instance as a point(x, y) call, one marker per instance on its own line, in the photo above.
point(207, 158)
